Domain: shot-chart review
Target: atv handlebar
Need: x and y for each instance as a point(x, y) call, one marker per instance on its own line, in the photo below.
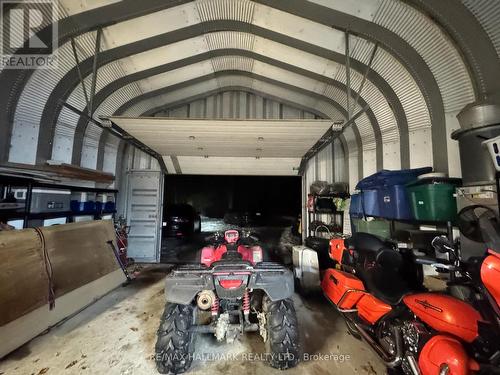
point(218, 237)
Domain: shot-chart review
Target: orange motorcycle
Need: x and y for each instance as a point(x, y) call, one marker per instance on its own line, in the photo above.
point(378, 289)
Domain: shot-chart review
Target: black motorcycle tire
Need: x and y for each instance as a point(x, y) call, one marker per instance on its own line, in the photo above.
point(175, 343)
point(283, 347)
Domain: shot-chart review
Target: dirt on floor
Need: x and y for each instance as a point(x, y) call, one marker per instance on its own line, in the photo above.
point(117, 334)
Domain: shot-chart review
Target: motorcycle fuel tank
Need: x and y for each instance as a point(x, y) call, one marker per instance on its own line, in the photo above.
point(445, 314)
point(490, 275)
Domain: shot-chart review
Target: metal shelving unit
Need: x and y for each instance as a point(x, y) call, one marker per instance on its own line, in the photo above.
point(336, 217)
point(7, 182)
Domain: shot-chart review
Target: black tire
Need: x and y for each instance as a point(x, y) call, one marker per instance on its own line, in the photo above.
point(283, 342)
point(175, 343)
point(318, 244)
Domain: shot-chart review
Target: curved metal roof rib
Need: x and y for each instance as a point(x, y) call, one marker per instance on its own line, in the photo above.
point(43, 141)
point(413, 65)
point(154, 57)
point(472, 39)
point(250, 61)
point(432, 59)
point(13, 81)
point(234, 62)
point(329, 108)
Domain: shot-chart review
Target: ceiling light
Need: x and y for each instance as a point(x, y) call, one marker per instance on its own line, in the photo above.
point(192, 137)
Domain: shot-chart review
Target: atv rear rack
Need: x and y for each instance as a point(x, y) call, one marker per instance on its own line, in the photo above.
point(185, 282)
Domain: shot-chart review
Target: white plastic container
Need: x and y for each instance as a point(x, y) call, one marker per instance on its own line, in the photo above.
point(493, 145)
point(306, 268)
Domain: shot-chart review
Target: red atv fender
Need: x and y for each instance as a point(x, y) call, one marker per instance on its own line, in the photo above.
point(210, 254)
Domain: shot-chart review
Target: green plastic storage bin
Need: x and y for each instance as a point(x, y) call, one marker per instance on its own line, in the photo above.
point(433, 202)
point(377, 227)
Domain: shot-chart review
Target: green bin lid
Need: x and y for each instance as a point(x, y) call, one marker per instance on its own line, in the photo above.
point(436, 180)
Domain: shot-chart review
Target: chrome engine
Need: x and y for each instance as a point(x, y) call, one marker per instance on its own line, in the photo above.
point(413, 334)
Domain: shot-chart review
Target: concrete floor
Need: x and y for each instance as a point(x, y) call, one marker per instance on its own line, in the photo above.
point(117, 334)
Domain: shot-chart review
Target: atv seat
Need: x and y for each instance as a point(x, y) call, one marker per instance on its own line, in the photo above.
point(232, 253)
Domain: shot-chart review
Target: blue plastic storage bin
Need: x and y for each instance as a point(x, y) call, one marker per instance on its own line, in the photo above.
point(370, 202)
point(371, 182)
point(356, 207)
point(394, 203)
point(109, 206)
point(77, 206)
point(401, 177)
point(393, 198)
point(105, 207)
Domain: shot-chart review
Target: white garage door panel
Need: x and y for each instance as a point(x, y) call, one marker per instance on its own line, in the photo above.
point(272, 140)
point(244, 166)
point(227, 147)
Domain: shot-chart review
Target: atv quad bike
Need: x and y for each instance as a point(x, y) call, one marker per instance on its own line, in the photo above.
point(233, 291)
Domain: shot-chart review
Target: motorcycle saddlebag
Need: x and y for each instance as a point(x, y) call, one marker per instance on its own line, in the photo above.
point(336, 284)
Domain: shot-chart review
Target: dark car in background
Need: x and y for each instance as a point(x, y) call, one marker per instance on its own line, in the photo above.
point(180, 220)
point(243, 218)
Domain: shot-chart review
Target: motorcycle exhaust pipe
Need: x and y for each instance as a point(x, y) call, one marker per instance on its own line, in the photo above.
point(390, 361)
point(413, 365)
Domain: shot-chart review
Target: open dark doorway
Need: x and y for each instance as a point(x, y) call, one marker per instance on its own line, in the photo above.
point(269, 205)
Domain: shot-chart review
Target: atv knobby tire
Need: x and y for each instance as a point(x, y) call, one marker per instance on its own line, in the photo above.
point(175, 343)
point(283, 341)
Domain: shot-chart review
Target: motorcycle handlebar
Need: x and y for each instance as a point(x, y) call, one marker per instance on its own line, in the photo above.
point(442, 245)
